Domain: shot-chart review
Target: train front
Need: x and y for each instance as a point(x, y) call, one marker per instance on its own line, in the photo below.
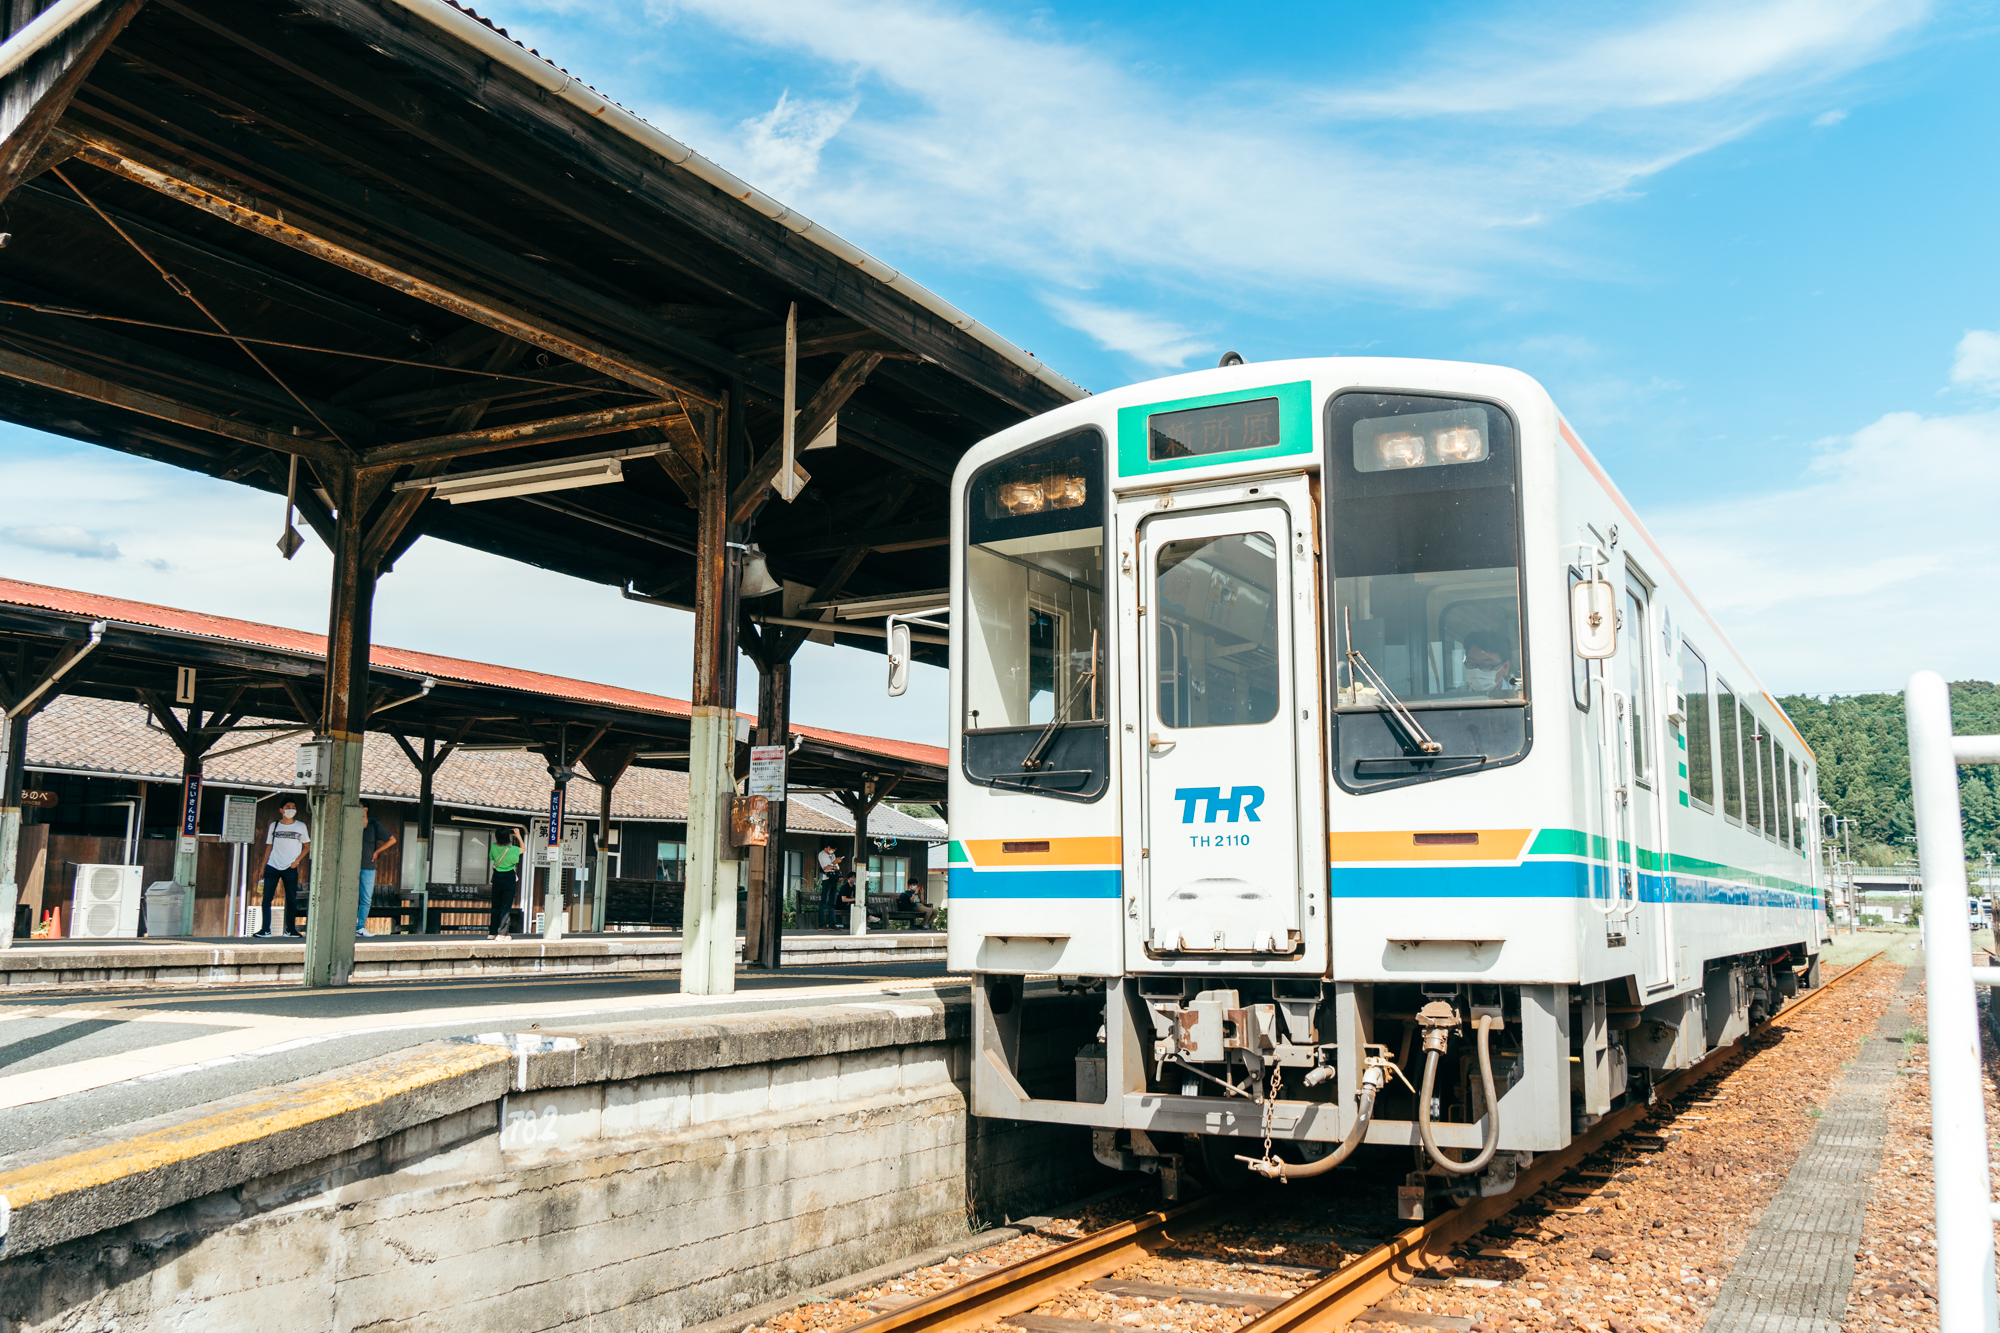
point(1160, 695)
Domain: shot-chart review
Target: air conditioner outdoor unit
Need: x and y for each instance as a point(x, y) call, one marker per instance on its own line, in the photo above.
point(105, 903)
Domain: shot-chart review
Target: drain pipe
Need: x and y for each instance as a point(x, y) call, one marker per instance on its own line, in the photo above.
point(48, 25)
point(1437, 1019)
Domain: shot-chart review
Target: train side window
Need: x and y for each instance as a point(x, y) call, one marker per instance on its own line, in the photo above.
point(1700, 745)
point(1799, 797)
point(1781, 822)
point(1732, 751)
point(1753, 769)
point(1774, 794)
point(1034, 703)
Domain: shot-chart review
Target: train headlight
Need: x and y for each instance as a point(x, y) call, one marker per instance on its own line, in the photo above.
point(1023, 497)
point(1400, 449)
point(1066, 492)
point(1460, 444)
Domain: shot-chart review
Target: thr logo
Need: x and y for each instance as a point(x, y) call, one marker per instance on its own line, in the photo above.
point(1240, 801)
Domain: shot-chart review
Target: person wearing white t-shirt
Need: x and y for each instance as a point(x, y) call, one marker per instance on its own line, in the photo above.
point(286, 844)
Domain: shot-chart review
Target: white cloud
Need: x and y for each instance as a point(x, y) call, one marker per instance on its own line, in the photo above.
point(1702, 53)
point(62, 539)
point(1009, 142)
point(1826, 120)
point(1146, 339)
point(1860, 574)
point(1977, 362)
point(783, 145)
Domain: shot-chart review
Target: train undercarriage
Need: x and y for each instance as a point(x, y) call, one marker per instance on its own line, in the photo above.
point(1196, 1079)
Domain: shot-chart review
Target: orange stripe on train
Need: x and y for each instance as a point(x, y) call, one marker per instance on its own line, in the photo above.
point(1505, 844)
point(1000, 853)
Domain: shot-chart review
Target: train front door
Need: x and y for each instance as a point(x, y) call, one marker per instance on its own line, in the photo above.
point(1222, 593)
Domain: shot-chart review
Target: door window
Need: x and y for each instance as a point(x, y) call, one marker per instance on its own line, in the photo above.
point(1638, 684)
point(1216, 606)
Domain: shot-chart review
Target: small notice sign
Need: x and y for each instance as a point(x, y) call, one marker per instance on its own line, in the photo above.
point(239, 818)
point(767, 772)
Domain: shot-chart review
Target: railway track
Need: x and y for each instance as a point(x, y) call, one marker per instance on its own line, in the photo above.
point(1012, 1294)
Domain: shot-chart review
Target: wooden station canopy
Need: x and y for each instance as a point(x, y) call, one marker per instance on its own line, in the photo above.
point(386, 241)
point(262, 684)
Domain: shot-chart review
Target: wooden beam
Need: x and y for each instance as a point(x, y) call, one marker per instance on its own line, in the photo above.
point(606, 421)
point(34, 97)
point(902, 537)
point(814, 417)
point(223, 390)
point(48, 375)
point(253, 215)
point(380, 214)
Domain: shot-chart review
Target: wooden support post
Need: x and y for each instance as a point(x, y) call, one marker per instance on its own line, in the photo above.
point(772, 651)
point(708, 921)
point(874, 790)
point(427, 765)
point(337, 819)
point(605, 767)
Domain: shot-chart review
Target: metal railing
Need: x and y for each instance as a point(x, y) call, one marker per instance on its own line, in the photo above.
point(1965, 1208)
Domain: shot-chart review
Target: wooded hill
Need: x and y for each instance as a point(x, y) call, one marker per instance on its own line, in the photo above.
point(1864, 766)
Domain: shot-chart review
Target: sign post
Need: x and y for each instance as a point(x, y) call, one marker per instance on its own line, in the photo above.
point(239, 830)
point(189, 847)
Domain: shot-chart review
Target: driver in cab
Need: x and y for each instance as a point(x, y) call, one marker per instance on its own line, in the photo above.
point(1489, 666)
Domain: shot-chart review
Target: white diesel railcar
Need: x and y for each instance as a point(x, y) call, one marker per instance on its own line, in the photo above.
point(1340, 725)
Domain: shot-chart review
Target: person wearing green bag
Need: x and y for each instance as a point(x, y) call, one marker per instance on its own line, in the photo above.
point(504, 855)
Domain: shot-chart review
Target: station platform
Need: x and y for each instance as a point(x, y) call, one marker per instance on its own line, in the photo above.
point(93, 964)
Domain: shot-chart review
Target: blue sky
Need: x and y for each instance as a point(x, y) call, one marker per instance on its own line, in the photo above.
point(1748, 246)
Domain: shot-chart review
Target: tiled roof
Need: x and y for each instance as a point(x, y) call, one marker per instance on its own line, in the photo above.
point(107, 738)
point(95, 606)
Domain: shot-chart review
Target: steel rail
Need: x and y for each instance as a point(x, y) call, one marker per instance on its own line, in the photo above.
point(1023, 1286)
point(1341, 1296)
point(1330, 1303)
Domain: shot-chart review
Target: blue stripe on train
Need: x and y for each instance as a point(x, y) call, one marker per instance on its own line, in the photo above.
point(1544, 879)
point(969, 882)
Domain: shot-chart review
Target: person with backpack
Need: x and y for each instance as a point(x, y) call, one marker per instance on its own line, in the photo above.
point(286, 845)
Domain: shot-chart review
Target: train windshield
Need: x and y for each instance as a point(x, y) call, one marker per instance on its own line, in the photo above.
point(1034, 695)
point(1424, 530)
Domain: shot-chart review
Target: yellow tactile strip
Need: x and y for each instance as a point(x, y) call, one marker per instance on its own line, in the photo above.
point(122, 1176)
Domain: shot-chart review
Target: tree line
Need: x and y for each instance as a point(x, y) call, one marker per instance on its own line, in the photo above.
point(1863, 748)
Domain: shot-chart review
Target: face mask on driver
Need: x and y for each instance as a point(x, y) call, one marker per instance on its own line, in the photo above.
point(1481, 678)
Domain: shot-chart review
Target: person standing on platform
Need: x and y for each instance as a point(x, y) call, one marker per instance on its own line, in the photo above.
point(376, 841)
point(504, 855)
point(829, 882)
point(286, 844)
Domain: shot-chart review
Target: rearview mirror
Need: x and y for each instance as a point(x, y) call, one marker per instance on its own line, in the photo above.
point(1593, 619)
point(899, 659)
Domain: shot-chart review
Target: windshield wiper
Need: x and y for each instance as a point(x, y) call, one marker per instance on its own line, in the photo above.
point(1404, 720)
point(1061, 715)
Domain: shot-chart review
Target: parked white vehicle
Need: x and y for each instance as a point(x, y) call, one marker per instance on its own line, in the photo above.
point(1340, 724)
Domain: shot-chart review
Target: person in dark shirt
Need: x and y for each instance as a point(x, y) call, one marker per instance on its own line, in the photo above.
point(376, 841)
point(909, 900)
